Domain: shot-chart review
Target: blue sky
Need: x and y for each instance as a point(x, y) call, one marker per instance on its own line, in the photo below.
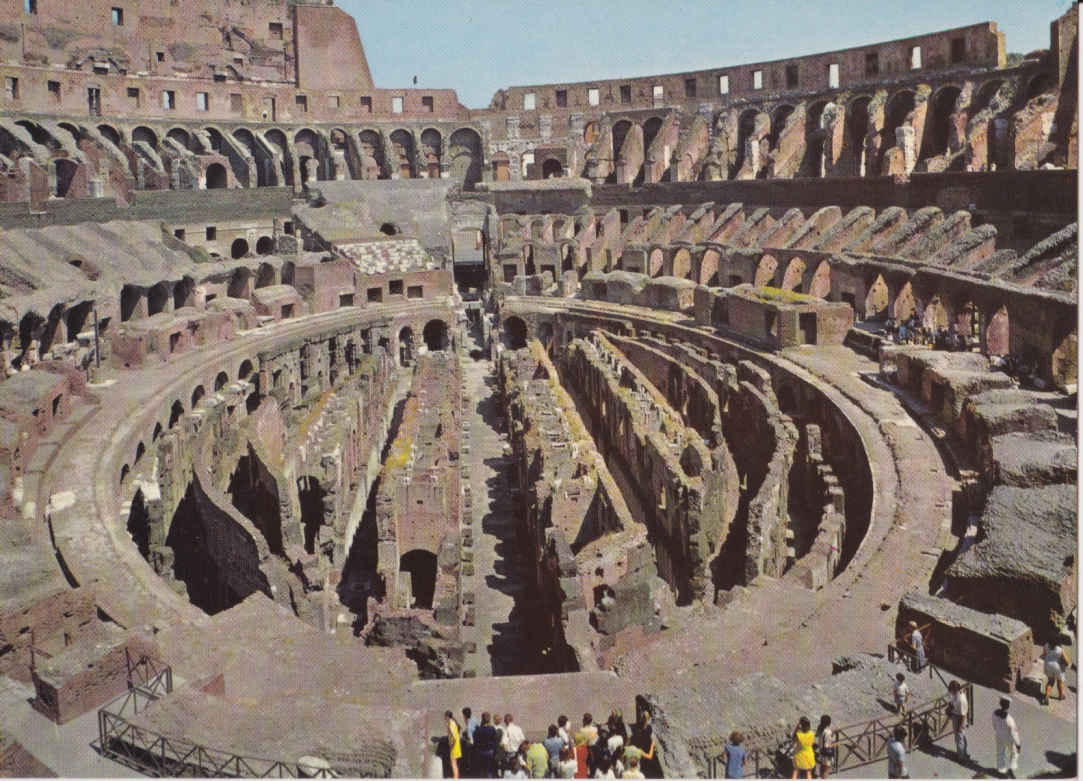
point(478, 46)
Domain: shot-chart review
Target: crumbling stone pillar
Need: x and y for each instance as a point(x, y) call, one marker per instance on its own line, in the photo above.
point(904, 140)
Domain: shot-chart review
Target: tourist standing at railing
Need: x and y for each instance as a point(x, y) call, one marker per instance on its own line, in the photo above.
point(825, 745)
point(917, 644)
point(804, 758)
point(1008, 743)
point(1056, 662)
point(486, 743)
point(642, 737)
point(513, 735)
point(901, 693)
point(470, 725)
point(896, 754)
point(735, 755)
point(562, 730)
point(455, 749)
point(957, 710)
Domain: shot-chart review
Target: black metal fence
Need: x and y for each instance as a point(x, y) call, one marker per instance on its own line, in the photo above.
point(157, 755)
point(857, 744)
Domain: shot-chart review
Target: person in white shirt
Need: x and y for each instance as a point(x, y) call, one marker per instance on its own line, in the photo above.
point(1007, 736)
point(959, 710)
point(1054, 660)
point(902, 693)
point(917, 642)
point(562, 730)
point(513, 735)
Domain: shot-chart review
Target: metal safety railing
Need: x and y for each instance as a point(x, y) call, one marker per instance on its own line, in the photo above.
point(154, 754)
point(857, 744)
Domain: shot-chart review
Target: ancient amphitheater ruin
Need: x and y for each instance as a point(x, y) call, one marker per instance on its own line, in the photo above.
point(326, 408)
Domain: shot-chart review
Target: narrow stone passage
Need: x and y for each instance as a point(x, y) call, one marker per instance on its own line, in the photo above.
point(496, 583)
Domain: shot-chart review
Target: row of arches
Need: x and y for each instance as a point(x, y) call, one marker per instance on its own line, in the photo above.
point(320, 155)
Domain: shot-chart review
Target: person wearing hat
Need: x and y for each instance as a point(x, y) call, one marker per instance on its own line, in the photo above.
point(1007, 736)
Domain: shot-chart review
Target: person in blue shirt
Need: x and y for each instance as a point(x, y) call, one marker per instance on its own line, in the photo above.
point(735, 755)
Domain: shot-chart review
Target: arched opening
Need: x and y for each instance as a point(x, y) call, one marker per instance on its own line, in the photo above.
point(656, 262)
point(435, 335)
point(75, 319)
point(567, 262)
point(311, 496)
point(308, 148)
point(197, 395)
point(254, 492)
point(238, 283)
point(904, 304)
point(221, 381)
point(65, 173)
point(464, 149)
point(181, 137)
point(876, 299)
point(110, 133)
point(402, 153)
point(245, 370)
point(545, 336)
point(406, 346)
point(371, 150)
point(175, 413)
point(431, 152)
point(157, 432)
point(935, 317)
point(528, 260)
point(984, 96)
point(815, 135)
point(820, 285)
point(265, 173)
point(183, 292)
point(1043, 82)
point(421, 565)
point(515, 333)
point(265, 245)
point(552, 169)
point(217, 179)
point(787, 403)
point(898, 109)
point(765, 271)
point(213, 556)
point(277, 139)
point(157, 298)
point(139, 523)
point(389, 229)
point(857, 127)
point(998, 333)
point(265, 276)
point(778, 123)
point(746, 126)
point(130, 297)
point(620, 134)
point(795, 272)
point(682, 263)
point(238, 249)
point(146, 136)
point(935, 140)
point(140, 451)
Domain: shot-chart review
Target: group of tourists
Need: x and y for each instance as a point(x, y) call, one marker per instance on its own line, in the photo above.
point(912, 331)
point(495, 748)
point(498, 748)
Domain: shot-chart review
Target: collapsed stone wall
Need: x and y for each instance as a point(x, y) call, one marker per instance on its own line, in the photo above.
point(417, 512)
point(251, 451)
point(594, 574)
point(681, 486)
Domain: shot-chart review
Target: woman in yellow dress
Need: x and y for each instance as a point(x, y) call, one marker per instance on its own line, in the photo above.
point(455, 746)
point(804, 757)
